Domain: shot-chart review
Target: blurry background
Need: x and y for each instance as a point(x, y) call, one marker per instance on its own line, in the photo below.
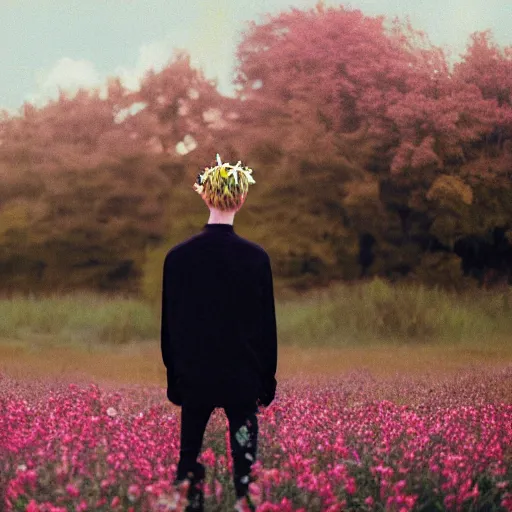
point(380, 134)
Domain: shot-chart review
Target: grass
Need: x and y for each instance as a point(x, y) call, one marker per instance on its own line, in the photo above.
point(377, 312)
point(375, 326)
point(141, 363)
point(341, 315)
point(81, 318)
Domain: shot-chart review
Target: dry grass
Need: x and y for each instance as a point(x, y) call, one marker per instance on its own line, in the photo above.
point(141, 363)
point(372, 326)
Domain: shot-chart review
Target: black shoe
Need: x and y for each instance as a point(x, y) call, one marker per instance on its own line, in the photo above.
point(250, 504)
point(195, 498)
point(195, 494)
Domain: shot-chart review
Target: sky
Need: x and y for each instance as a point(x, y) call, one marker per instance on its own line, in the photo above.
point(45, 44)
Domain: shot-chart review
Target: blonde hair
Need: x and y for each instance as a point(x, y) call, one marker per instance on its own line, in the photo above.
point(224, 186)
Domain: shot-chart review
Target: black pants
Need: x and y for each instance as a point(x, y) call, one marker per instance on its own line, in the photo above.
point(243, 430)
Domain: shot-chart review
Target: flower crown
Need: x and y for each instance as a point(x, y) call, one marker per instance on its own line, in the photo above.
point(222, 170)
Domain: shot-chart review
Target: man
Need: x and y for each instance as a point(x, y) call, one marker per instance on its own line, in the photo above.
point(218, 336)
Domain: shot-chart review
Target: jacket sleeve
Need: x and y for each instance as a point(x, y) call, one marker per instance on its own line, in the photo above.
point(165, 331)
point(269, 329)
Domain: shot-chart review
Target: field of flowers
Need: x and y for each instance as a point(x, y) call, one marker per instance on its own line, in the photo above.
point(353, 442)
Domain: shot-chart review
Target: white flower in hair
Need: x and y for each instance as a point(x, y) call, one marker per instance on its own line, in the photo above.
point(226, 170)
point(234, 170)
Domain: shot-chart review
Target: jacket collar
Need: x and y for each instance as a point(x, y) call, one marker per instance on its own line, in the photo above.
point(218, 228)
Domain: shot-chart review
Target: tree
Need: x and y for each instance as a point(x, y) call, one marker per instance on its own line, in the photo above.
point(178, 100)
point(332, 70)
point(489, 68)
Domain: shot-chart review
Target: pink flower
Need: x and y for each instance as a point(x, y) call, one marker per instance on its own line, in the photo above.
point(350, 486)
point(399, 486)
point(133, 492)
point(411, 500)
point(255, 492)
point(31, 477)
point(208, 457)
point(72, 490)
point(369, 501)
point(82, 507)
point(32, 507)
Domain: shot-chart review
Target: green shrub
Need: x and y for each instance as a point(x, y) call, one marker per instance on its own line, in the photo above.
point(88, 318)
point(378, 311)
point(341, 315)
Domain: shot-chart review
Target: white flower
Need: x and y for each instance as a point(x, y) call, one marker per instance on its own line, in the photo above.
point(234, 170)
point(111, 412)
point(22, 467)
point(247, 173)
point(242, 435)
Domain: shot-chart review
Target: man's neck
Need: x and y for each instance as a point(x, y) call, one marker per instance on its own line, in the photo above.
point(220, 217)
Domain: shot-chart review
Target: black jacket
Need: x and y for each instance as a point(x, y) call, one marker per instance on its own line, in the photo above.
point(218, 332)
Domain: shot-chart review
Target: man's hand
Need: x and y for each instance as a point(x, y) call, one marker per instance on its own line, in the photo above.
point(174, 395)
point(173, 389)
point(268, 393)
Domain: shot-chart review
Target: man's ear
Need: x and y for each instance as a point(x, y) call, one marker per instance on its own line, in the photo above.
point(242, 201)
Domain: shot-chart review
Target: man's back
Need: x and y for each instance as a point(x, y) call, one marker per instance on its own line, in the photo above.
point(219, 339)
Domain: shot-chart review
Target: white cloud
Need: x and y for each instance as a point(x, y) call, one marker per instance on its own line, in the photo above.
point(153, 55)
point(67, 74)
point(9, 110)
point(209, 39)
point(211, 42)
point(209, 49)
point(70, 74)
